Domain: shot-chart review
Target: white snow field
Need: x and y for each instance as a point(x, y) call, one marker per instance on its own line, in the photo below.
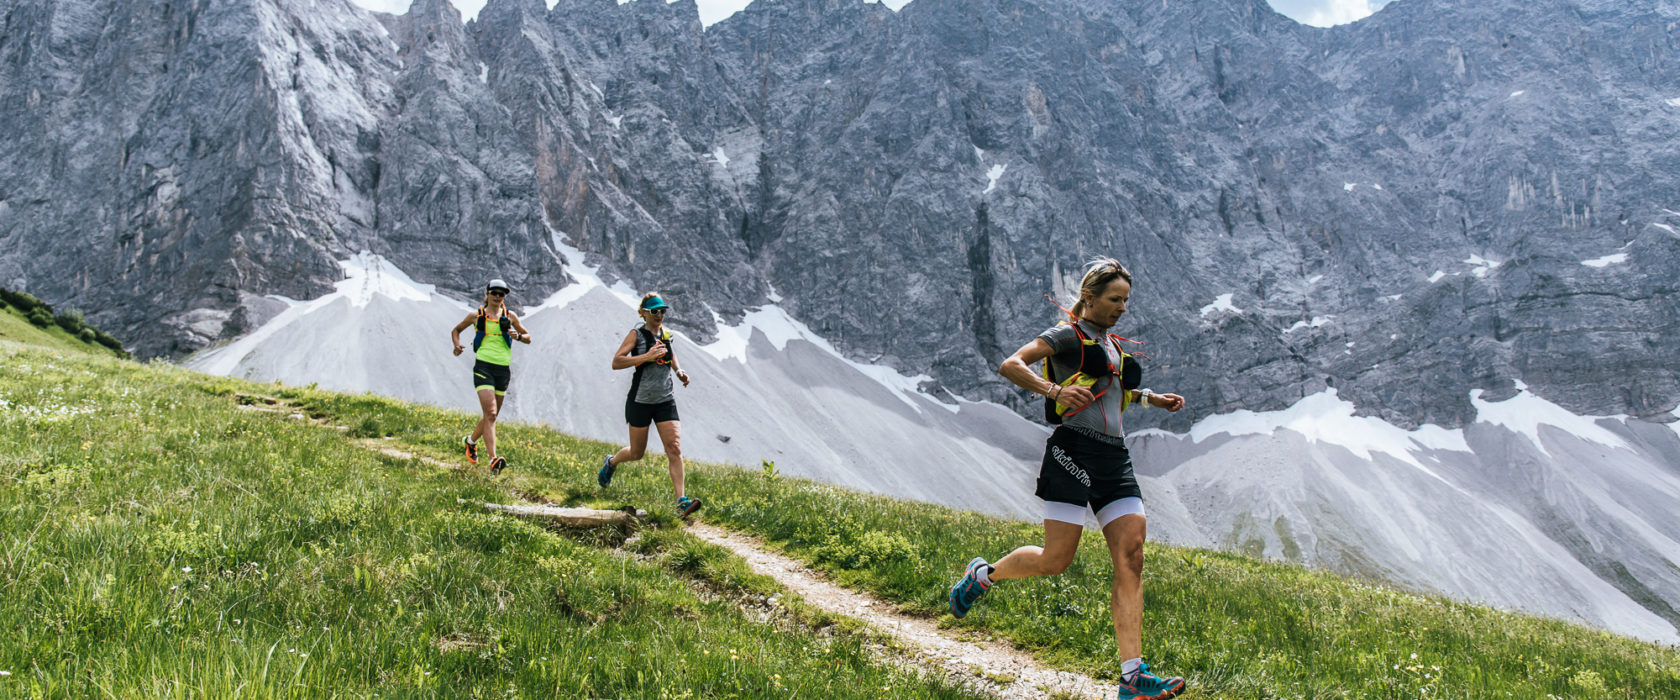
point(1531, 507)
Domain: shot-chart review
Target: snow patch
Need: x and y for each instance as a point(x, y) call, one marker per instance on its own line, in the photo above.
point(483, 73)
point(721, 157)
point(1525, 413)
point(1314, 279)
point(1348, 186)
point(1376, 187)
point(992, 175)
point(588, 277)
point(615, 120)
point(1221, 303)
point(780, 328)
point(979, 155)
point(1437, 276)
point(1612, 259)
point(1518, 93)
point(1480, 265)
point(1675, 102)
point(367, 274)
point(1665, 227)
point(1314, 323)
point(1325, 418)
point(1393, 298)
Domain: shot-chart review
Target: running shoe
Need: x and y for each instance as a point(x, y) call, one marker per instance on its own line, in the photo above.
point(1148, 686)
point(968, 589)
point(686, 506)
point(472, 449)
point(497, 465)
point(604, 476)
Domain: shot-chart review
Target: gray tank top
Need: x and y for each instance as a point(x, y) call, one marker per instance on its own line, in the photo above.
point(1102, 417)
point(655, 385)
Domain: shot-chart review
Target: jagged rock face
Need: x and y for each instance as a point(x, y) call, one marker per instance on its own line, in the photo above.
point(1400, 207)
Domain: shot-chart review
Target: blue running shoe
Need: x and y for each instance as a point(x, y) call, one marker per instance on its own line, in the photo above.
point(686, 506)
point(968, 589)
point(604, 476)
point(1148, 686)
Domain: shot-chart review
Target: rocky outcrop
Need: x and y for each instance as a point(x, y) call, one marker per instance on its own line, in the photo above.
point(1442, 197)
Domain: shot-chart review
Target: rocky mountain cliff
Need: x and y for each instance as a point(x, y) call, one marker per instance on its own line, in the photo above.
point(1446, 196)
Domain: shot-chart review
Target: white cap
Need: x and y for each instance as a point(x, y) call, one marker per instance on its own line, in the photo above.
point(497, 283)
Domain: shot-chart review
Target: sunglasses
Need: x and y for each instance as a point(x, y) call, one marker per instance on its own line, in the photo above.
point(498, 293)
point(657, 312)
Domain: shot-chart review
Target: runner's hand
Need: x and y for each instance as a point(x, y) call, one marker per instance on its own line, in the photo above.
point(1171, 402)
point(657, 351)
point(1074, 397)
point(458, 350)
point(683, 376)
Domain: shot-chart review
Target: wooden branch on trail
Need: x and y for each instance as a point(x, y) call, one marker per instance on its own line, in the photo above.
point(573, 517)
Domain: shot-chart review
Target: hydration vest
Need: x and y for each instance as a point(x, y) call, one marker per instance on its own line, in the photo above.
point(502, 323)
point(1093, 365)
point(646, 336)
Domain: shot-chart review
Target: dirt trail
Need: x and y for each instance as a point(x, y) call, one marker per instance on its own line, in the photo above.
point(992, 667)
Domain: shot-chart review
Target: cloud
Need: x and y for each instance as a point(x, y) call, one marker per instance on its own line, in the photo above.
point(1334, 12)
point(711, 11)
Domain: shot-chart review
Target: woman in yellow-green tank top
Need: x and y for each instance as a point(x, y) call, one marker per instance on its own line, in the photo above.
point(495, 330)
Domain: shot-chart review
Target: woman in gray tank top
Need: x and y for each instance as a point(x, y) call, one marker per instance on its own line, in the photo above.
point(651, 400)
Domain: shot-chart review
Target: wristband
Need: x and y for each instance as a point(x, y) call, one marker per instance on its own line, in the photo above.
point(1143, 397)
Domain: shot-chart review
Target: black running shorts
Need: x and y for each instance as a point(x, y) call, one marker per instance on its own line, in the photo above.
point(1083, 471)
point(640, 415)
point(491, 376)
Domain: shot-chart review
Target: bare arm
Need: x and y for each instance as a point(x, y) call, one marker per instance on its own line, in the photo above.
point(455, 333)
point(622, 359)
point(677, 368)
point(1018, 370)
point(520, 334)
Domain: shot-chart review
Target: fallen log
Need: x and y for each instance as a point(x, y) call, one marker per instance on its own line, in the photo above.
point(573, 517)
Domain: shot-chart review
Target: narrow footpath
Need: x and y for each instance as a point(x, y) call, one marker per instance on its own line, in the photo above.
point(994, 668)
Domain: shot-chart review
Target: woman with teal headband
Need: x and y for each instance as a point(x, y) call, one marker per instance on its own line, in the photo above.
point(652, 399)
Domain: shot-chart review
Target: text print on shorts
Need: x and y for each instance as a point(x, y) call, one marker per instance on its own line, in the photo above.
point(1067, 463)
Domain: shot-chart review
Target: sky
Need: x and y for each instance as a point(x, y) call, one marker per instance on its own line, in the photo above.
point(1319, 13)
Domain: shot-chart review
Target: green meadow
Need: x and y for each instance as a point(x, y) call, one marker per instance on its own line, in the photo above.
point(159, 539)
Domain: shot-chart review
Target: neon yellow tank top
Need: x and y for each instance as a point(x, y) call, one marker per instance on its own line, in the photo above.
point(494, 349)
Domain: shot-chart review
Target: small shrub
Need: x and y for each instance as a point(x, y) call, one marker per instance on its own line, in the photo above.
point(71, 321)
point(88, 335)
point(40, 317)
point(24, 301)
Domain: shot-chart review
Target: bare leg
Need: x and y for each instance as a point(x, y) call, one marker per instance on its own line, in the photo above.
point(1061, 540)
point(670, 435)
point(633, 451)
point(490, 404)
point(1125, 546)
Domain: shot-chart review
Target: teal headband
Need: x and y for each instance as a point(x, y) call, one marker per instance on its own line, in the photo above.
point(652, 303)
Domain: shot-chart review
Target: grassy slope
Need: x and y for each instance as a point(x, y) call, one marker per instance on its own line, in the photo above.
point(1236, 627)
point(15, 327)
point(288, 528)
point(156, 541)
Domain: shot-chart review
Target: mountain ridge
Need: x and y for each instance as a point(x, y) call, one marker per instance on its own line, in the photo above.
point(1418, 188)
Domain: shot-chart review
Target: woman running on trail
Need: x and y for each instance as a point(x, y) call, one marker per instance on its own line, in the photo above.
point(1086, 465)
point(497, 328)
point(648, 349)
